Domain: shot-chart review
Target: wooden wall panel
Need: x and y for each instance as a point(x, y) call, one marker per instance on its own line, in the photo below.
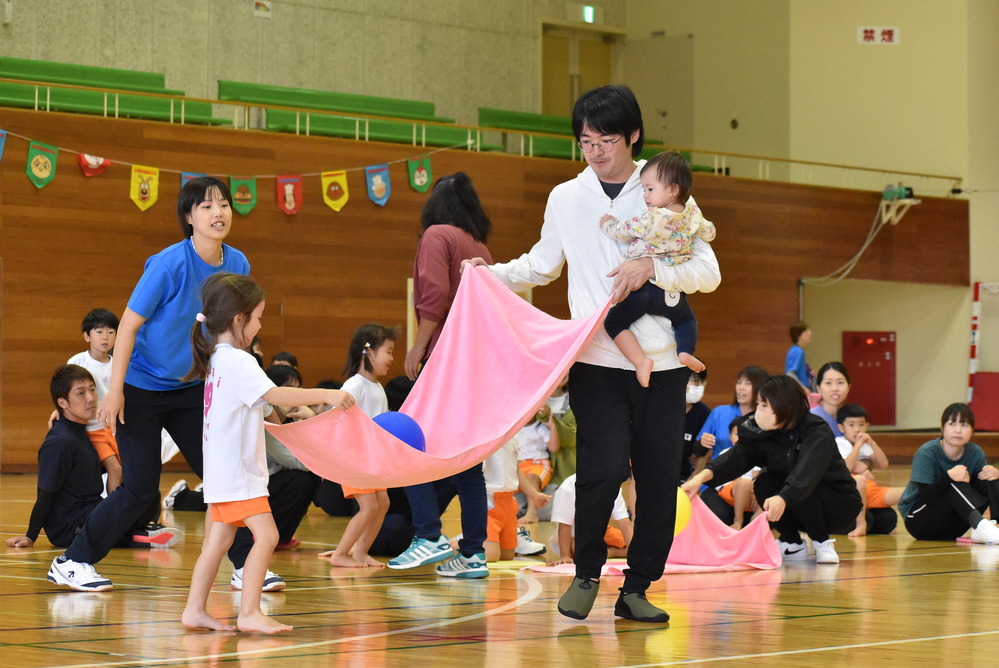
point(80, 243)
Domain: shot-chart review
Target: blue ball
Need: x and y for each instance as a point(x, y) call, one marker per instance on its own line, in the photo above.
point(404, 428)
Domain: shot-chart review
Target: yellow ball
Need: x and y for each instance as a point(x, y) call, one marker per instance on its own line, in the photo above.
point(682, 512)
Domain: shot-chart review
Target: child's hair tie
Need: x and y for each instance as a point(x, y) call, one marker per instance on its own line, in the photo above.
point(200, 317)
point(367, 347)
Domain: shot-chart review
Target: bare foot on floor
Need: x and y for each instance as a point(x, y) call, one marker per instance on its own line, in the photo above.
point(343, 561)
point(861, 530)
point(258, 622)
point(368, 560)
point(644, 372)
point(691, 362)
point(530, 517)
point(202, 620)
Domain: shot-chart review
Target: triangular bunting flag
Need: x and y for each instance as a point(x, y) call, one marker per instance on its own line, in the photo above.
point(92, 165)
point(41, 167)
point(244, 194)
point(420, 174)
point(3, 141)
point(289, 193)
point(144, 189)
point(335, 192)
point(379, 186)
point(187, 176)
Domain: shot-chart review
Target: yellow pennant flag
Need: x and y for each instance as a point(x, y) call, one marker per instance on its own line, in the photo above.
point(335, 192)
point(145, 186)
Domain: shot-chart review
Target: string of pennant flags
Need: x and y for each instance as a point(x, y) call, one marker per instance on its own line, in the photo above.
point(144, 183)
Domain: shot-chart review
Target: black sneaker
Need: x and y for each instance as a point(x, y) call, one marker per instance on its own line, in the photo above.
point(635, 606)
point(157, 535)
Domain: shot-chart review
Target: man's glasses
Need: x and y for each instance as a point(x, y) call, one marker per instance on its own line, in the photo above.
point(606, 145)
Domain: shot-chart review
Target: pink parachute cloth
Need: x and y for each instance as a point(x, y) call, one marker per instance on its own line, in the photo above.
point(706, 545)
point(497, 361)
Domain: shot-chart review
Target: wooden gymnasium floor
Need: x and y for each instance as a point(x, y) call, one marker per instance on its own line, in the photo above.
point(891, 601)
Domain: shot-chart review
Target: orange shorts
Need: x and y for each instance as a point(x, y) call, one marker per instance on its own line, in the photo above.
point(104, 443)
point(876, 495)
point(614, 538)
point(726, 493)
point(234, 512)
point(539, 467)
point(351, 492)
point(502, 521)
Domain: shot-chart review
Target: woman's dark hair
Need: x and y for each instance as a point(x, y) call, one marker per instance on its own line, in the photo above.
point(223, 297)
point(366, 338)
point(453, 201)
point(831, 366)
point(786, 398)
point(959, 413)
point(755, 375)
point(282, 374)
point(195, 192)
point(610, 110)
point(672, 169)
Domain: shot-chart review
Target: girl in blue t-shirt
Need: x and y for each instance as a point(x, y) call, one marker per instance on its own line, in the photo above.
point(951, 485)
point(714, 437)
point(152, 355)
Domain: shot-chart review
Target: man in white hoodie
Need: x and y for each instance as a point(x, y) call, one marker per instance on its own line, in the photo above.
point(621, 425)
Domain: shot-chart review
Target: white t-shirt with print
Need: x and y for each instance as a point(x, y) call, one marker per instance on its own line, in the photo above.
point(234, 451)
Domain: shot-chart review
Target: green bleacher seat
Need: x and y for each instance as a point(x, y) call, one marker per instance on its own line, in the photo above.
point(93, 102)
point(348, 103)
point(83, 75)
point(399, 132)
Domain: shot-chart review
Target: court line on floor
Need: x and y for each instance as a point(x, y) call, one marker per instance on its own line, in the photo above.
point(812, 650)
point(534, 589)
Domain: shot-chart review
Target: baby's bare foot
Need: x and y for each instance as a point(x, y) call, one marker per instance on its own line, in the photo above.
point(691, 362)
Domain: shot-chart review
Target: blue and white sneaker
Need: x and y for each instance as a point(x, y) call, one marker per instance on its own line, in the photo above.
point(76, 575)
point(465, 567)
point(422, 551)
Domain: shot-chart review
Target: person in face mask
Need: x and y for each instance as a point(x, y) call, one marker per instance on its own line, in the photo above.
point(697, 415)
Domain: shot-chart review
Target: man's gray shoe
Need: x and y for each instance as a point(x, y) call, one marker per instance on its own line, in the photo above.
point(578, 600)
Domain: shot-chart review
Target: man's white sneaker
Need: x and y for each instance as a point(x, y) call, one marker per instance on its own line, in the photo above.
point(527, 547)
point(825, 552)
point(272, 581)
point(76, 575)
point(171, 496)
point(793, 551)
point(986, 532)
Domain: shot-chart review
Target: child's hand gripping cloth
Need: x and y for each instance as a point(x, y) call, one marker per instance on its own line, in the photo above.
point(497, 361)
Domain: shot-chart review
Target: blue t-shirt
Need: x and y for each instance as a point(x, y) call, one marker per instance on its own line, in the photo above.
point(931, 462)
point(795, 363)
point(717, 424)
point(168, 296)
point(830, 420)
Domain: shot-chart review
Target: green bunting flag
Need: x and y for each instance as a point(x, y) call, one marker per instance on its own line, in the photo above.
point(41, 167)
point(244, 194)
point(420, 174)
